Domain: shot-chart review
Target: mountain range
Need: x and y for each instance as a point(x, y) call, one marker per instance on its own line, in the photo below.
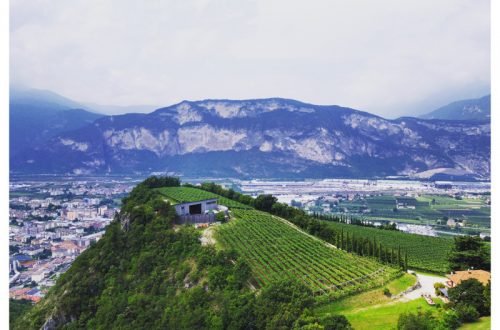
point(262, 138)
point(474, 109)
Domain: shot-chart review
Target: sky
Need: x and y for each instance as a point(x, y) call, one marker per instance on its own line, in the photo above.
point(390, 58)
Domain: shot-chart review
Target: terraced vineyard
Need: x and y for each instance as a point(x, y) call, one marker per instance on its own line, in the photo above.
point(424, 252)
point(189, 194)
point(276, 249)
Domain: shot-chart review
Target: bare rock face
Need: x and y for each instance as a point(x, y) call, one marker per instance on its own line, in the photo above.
point(124, 221)
point(264, 138)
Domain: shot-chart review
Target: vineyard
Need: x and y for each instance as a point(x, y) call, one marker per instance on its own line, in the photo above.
point(275, 249)
point(189, 194)
point(424, 209)
point(424, 252)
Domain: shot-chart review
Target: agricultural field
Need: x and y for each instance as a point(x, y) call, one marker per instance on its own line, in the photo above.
point(275, 249)
point(424, 252)
point(188, 194)
point(426, 209)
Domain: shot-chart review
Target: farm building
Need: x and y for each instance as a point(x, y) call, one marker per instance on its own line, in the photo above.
point(196, 212)
point(196, 207)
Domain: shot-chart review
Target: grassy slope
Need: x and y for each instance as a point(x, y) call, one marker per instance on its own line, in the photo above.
point(484, 323)
point(369, 298)
point(373, 310)
point(386, 316)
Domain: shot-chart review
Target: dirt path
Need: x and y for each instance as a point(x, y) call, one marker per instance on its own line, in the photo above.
point(207, 237)
point(427, 286)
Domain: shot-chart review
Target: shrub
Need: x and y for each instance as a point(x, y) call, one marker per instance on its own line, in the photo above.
point(387, 292)
point(416, 321)
point(451, 320)
point(220, 216)
point(438, 286)
point(467, 313)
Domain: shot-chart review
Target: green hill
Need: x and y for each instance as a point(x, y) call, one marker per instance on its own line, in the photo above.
point(147, 273)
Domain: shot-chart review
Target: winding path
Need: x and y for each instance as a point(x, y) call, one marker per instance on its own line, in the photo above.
point(427, 286)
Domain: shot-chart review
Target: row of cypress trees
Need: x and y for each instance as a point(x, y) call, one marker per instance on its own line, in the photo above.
point(370, 248)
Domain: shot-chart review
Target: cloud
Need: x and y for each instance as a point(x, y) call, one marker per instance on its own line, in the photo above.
point(387, 57)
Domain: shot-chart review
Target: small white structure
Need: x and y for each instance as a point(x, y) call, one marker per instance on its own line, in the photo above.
point(198, 207)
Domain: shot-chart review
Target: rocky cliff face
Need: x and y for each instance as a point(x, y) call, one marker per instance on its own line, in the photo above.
point(263, 138)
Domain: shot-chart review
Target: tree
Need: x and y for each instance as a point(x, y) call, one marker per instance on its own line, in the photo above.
point(17, 308)
point(335, 322)
point(265, 202)
point(469, 252)
point(451, 320)
point(470, 293)
point(220, 216)
point(416, 321)
point(467, 313)
point(280, 304)
point(437, 286)
point(330, 322)
point(487, 298)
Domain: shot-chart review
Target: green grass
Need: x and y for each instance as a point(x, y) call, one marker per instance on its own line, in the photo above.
point(384, 316)
point(484, 323)
point(275, 249)
point(369, 298)
point(424, 252)
point(401, 284)
point(188, 194)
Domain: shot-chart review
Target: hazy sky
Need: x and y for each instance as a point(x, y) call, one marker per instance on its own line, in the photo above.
point(386, 57)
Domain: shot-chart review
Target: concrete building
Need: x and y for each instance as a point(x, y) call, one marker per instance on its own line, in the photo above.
point(198, 207)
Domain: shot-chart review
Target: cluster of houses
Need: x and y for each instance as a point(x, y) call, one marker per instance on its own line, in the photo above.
point(47, 234)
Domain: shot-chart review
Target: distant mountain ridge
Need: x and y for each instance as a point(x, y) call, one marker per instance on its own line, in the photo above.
point(472, 109)
point(36, 116)
point(267, 138)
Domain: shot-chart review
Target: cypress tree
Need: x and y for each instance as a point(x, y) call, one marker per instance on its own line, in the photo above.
point(374, 247)
point(342, 240)
point(347, 243)
point(399, 256)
